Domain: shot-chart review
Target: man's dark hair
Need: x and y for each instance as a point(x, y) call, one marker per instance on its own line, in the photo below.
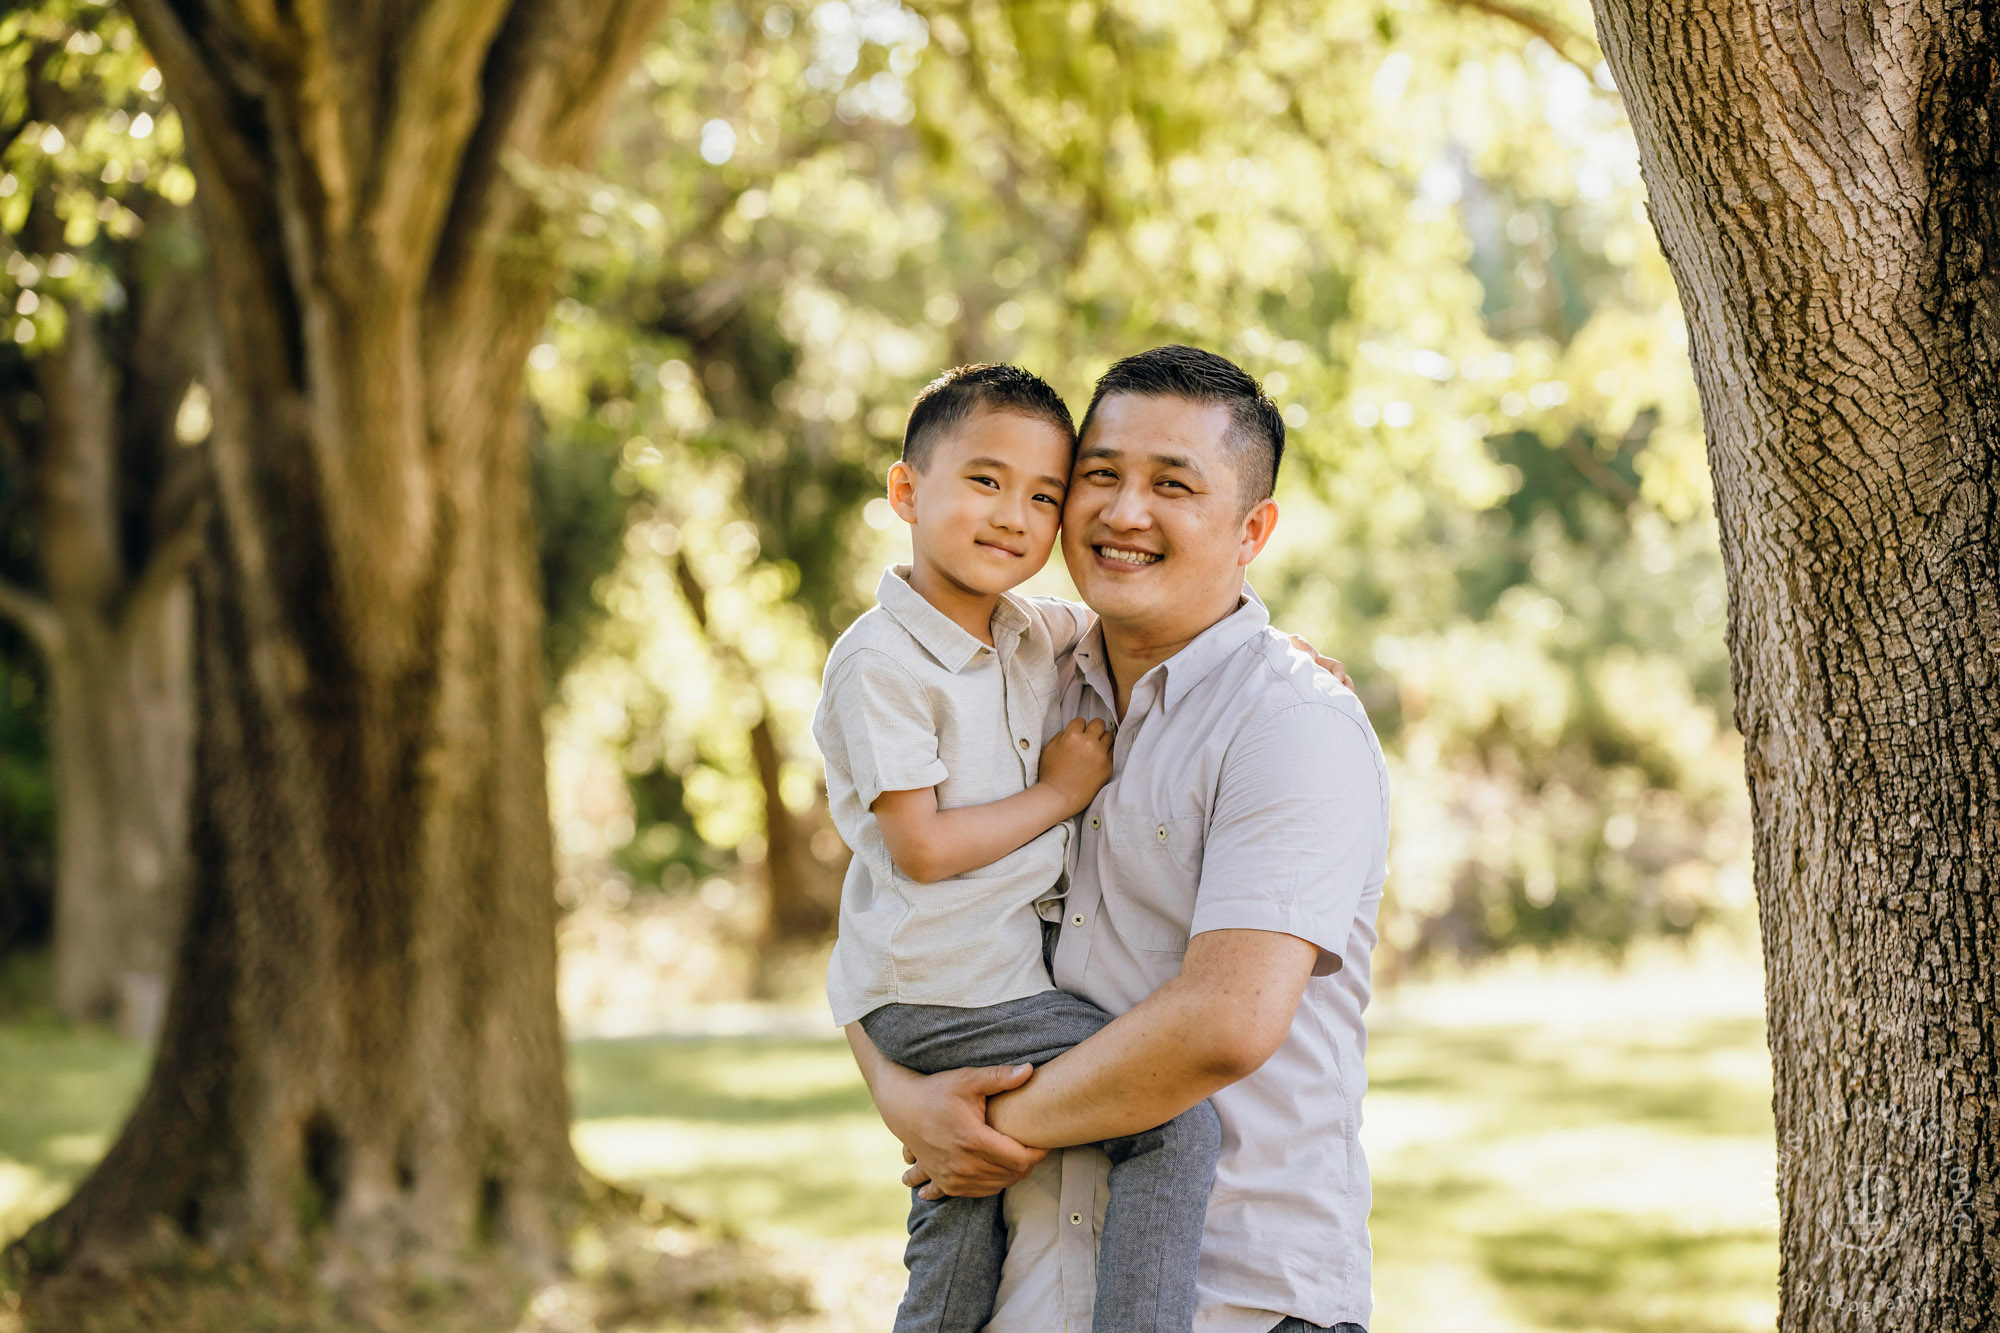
point(963, 390)
point(1256, 430)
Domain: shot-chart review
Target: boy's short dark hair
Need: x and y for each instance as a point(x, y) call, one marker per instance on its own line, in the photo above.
point(1257, 430)
point(959, 392)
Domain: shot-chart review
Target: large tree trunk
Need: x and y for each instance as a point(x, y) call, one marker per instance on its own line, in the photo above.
point(1823, 179)
point(361, 1054)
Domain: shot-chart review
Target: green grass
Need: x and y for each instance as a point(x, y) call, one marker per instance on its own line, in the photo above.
point(1551, 1150)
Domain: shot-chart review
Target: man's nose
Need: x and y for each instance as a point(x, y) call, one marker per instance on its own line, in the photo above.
point(1128, 508)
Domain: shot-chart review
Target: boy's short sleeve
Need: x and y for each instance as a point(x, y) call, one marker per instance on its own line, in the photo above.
point(879, 727)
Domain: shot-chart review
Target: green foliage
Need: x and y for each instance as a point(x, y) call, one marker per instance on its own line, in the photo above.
point(1421, 228)
point(89, 150)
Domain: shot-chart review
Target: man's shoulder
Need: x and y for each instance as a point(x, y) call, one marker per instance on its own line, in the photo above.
point(1273, 679)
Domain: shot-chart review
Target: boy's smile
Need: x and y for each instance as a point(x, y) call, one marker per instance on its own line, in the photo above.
point(983, 511)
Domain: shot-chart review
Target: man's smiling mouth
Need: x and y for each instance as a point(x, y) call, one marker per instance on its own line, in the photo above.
point(1126, 556)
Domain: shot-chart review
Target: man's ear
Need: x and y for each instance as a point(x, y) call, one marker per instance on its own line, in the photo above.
point(1258, 525)
point(903, 490)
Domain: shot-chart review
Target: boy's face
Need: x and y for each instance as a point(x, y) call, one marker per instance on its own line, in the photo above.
point(984, 510)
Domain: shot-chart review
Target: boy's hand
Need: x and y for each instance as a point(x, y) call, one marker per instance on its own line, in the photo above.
point(1326, 664)
point(1077, 762)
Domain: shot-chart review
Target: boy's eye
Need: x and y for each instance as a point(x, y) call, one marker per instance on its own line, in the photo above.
point(1051, 499)
point(986, 481)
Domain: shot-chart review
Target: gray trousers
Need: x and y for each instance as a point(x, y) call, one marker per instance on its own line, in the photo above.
point(1159, 1180)
point(1298, 1325)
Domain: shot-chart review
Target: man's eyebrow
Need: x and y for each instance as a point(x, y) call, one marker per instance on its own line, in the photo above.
point(1181, 461)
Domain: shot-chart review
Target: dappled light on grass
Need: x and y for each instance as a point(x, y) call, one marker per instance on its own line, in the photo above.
point(62, 1094)
point(1555, 1147)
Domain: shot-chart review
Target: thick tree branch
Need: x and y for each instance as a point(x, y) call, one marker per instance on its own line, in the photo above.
point(1561, 39)
point(163, 571)
point(208, 107)
point(549, 78)
point(1599, 473)
point(437, 108)
point(34, 614)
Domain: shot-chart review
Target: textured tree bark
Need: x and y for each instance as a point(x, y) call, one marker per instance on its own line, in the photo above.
point(1823, 180)
point(361, 1060)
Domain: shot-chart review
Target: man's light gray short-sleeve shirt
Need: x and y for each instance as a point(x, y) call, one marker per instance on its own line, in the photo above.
point(911, 700)
point(1247, 792)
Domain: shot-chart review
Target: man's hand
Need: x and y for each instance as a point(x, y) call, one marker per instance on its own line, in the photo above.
point(1326, 664)
point(941, 1120)
point(1077, 762)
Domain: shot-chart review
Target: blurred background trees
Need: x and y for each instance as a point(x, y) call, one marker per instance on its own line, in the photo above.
point(803, 214)
point(1419, 222)
point(99, 451)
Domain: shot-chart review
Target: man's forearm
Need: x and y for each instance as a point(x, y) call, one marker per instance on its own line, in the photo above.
point(1214, 1024)
point(1143, 1070)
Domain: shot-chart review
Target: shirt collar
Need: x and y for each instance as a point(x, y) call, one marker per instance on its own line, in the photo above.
point(937, 633)
point(1188, 667)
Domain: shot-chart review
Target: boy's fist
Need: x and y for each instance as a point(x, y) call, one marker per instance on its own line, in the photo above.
point(1077, 762)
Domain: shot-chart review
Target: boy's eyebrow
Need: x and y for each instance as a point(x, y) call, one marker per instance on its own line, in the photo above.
point(1164, 460)
point(1005, 466)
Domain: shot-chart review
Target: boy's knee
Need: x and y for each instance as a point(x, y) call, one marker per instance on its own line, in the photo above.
point(1194, 1135)
point(1203, 1129)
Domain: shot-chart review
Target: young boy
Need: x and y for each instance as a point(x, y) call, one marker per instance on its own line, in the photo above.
point(951, 783)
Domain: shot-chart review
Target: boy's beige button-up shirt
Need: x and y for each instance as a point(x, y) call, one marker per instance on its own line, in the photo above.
point(911, 700)
point(1247, 792)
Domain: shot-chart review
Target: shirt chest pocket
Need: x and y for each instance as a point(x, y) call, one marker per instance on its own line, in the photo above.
point(1156, 863)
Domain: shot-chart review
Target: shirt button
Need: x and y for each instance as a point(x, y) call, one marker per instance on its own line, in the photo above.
point(1093, 821)
point(1076, 920)
point(1163, 833)
point(1024, 742)
point(1076, 1219)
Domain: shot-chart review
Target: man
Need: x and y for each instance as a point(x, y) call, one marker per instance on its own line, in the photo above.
point(1223, 892)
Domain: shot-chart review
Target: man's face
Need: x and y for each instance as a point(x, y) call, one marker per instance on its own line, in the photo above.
point(985, 507)
point(1155, 531)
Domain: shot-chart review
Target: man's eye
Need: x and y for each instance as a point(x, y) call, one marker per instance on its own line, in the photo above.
point(1169, 481)
point(1099, 474)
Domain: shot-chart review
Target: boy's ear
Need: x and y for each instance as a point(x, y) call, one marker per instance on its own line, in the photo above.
point(903, 490)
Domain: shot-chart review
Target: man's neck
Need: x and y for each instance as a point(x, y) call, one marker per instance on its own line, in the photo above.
point(1130, 651)
point(970, 611)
